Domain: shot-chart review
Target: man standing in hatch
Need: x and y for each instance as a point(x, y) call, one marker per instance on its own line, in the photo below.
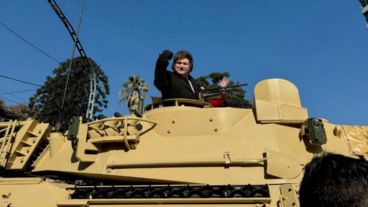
point(179, 84)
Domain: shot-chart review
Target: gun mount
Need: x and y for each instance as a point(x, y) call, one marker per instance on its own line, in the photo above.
point(182, 154)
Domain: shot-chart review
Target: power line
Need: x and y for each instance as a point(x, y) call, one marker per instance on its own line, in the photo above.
point(22, 81)
point(29, 43)
point(12, 95)
point(15, 92)
point(9, 100)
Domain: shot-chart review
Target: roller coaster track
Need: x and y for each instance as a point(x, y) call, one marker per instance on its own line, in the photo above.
point(86, 61)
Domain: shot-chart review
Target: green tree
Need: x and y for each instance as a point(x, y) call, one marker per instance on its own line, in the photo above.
point(47, 104)
point(235, 96)
point(134, 92)
point(3, 111)
point(17, 111)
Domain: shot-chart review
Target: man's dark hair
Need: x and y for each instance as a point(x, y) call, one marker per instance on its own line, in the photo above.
point(336, 181)
point(183, 54)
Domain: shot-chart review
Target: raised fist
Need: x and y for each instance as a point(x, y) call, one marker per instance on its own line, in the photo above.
point(166, 55)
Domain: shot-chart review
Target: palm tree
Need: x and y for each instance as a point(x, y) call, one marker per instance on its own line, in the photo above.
point(133, 92)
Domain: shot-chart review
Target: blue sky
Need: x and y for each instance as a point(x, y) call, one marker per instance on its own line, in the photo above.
point(320, 46)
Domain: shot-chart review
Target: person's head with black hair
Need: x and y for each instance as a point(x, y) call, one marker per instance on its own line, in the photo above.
point(336, 181)
point(183, 63)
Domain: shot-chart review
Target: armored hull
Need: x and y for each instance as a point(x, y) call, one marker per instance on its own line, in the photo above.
point(184, 153)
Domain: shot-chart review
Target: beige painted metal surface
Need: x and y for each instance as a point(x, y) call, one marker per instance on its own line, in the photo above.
point(178, 144)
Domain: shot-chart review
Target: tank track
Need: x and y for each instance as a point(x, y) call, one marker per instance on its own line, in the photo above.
point(170, 191)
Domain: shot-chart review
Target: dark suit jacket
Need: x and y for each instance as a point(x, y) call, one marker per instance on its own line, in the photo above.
point(172, 85)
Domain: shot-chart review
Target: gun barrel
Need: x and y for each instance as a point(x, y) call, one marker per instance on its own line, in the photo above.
point(226, 88)
point(210, 94)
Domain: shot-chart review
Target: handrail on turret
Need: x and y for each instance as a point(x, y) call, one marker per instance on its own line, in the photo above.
point(157, 102)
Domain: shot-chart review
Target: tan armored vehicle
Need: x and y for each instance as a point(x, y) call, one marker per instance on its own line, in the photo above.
point(185, 154)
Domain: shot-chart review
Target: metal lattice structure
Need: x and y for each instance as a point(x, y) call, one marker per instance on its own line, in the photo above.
point(86, 61)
